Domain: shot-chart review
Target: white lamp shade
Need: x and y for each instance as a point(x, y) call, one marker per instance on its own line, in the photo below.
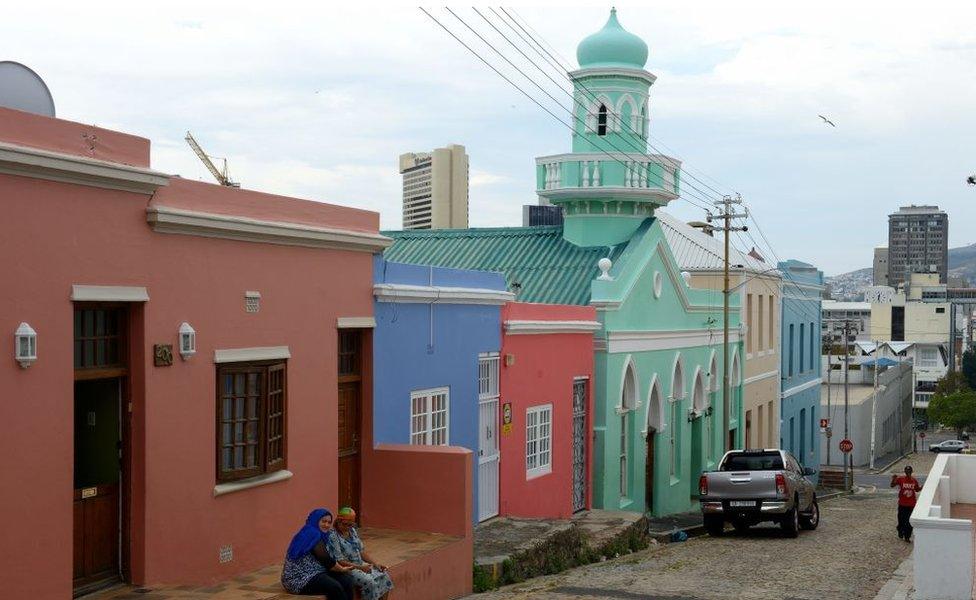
point(188, 341)
point(25, 345)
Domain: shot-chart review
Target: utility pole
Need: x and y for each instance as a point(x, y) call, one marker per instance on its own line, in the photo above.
point(847, 455)
point(830, 425)
point(726, 206)
point(874, 401)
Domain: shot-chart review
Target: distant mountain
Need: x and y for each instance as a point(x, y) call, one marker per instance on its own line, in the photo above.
point(850, 286)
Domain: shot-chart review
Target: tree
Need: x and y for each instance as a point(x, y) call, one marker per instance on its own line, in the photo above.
point(969, 367)
point(952, 382)
point(956, 410)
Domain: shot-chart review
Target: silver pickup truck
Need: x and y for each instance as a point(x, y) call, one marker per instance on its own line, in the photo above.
point(755, 486)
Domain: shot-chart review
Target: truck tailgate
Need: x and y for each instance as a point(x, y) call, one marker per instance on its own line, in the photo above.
point(727, 485)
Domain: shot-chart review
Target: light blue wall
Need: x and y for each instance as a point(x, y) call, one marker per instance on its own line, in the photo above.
point(418, 346)
point(800, 403)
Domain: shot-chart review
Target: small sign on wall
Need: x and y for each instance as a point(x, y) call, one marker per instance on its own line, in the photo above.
point(163, 355)
point(507, 418)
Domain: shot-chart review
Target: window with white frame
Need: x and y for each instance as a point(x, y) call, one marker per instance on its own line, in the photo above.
point(488, 375)
point(430, 417)
point(538, 440)
point(928, 357)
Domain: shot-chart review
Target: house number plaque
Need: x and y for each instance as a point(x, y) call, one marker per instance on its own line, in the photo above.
point(89, 492)
point(163, 355)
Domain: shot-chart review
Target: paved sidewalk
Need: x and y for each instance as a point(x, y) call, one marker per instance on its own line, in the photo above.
point(901, 586)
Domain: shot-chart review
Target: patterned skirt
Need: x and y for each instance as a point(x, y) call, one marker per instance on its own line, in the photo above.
point(372, 585)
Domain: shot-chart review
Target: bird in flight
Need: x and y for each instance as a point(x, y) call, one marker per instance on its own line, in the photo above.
point(827, 121)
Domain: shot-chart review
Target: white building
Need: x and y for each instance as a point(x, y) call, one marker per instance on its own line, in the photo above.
point(435, 188)
point(943, 521)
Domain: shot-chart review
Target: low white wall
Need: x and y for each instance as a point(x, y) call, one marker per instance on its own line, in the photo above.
point(943, 553)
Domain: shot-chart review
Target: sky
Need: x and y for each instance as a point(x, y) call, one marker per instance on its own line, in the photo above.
point(317, 100)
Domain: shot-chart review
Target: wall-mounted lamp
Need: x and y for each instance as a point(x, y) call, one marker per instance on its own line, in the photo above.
point(25, 345)
point(188, 341)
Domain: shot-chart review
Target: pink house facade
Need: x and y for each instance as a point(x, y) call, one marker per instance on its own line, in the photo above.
point(547, 409)
point(199, 375)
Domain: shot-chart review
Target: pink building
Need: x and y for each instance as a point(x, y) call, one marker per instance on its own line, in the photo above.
point(201, 379)
point(547, 409)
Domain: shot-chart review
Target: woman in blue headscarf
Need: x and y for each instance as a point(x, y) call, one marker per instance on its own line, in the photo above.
point(309, 568)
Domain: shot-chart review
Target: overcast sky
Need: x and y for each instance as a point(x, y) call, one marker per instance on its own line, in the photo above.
point(318, 99)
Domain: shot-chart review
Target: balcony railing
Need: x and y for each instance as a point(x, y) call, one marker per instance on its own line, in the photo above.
point(571, 173)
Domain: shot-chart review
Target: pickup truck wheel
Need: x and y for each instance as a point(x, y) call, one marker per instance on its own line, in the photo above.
point(714, 525)
point(811, 520)
point(791, 521)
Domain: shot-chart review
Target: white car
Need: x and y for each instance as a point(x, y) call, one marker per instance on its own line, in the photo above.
point(949, 446)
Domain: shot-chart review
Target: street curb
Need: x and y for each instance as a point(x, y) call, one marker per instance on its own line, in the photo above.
point(892, 463)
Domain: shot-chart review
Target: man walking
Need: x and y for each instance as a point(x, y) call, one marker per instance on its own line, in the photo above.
point(908, 489)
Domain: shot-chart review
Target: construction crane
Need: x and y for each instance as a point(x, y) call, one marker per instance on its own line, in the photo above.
point(219, 174)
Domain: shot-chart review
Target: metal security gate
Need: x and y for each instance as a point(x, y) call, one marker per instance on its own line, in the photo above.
point(579, 444)
point(488, 455)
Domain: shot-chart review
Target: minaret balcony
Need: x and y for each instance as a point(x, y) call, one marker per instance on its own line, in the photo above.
point(638, 177)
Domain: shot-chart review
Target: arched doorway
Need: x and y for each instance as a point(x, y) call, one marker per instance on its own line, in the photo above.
point(735, 380)
point(697, 434)
point(653, 426)
point(628, 401)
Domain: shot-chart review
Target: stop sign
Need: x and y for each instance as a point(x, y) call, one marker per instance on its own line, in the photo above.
point(846, 446)
point(922, 435)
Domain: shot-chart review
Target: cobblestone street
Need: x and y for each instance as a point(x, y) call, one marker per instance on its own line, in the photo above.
point(851, 555)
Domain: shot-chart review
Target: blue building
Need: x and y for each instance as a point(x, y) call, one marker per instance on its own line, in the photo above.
point(800, 374)
point(435, 353)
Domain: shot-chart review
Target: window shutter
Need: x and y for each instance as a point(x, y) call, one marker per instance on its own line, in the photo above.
point(275, 420)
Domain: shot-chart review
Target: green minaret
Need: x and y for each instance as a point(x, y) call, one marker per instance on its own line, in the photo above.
point(609, 184)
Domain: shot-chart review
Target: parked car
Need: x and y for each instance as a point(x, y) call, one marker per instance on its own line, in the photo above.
point(949, 446)
point(755, 486)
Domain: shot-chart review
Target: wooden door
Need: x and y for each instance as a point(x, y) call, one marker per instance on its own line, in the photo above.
point(97, 477)
point(351, 369)
point(349, 441)
point(649, 471)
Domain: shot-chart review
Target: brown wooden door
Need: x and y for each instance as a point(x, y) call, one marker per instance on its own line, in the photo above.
point(97, 476)
point(649, 471)
point(350, 430)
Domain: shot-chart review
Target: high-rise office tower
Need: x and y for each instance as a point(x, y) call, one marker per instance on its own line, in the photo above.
point(918, 242)
point(435, 188)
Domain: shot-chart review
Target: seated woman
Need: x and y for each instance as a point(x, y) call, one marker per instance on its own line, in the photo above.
point(309, 569)
point(369, 576)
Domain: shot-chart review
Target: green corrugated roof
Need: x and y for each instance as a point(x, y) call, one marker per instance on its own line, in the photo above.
point(538, 264)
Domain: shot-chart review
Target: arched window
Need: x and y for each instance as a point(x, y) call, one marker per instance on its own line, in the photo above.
point(677, 381)
point(698, 394)
point(601, 120)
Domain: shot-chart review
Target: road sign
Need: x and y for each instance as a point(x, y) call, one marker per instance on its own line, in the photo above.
point(846, 446)
point(922, 435)
point(824, 423)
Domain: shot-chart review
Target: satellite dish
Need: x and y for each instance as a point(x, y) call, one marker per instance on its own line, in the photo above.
point(23, 89)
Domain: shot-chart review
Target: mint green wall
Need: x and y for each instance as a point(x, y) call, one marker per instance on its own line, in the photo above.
point(639, 311)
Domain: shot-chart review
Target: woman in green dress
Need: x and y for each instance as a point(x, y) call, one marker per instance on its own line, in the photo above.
point(369, 576)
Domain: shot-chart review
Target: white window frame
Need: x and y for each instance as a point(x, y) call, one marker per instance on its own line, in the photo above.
point(928, 357)
point(488, 375)
point(535, 434)
point(425, 435)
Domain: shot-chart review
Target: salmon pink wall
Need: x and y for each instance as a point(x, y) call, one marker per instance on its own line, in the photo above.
point(68, 137)
point(59, 234)
point(545, 366)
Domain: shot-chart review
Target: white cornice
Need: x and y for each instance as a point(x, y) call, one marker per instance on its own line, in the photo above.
point(425, 294)
point(760, 377)
point(655, 194)
point(645, 76)
point(662, 159)
point(108, 293)
point(648, 341)
point(164, 219)
point(249, 354)
point(356, 323)
point(517, 327)
point(79, 170)
point(799, 388)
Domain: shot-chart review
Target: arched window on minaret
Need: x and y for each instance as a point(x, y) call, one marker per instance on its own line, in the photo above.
point(601, 120)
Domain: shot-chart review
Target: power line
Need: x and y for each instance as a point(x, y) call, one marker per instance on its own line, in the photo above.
point(521, 90)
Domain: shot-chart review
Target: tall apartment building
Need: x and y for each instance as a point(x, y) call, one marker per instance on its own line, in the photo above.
point(880, 266)
point(435, 188)
point(918, 242)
